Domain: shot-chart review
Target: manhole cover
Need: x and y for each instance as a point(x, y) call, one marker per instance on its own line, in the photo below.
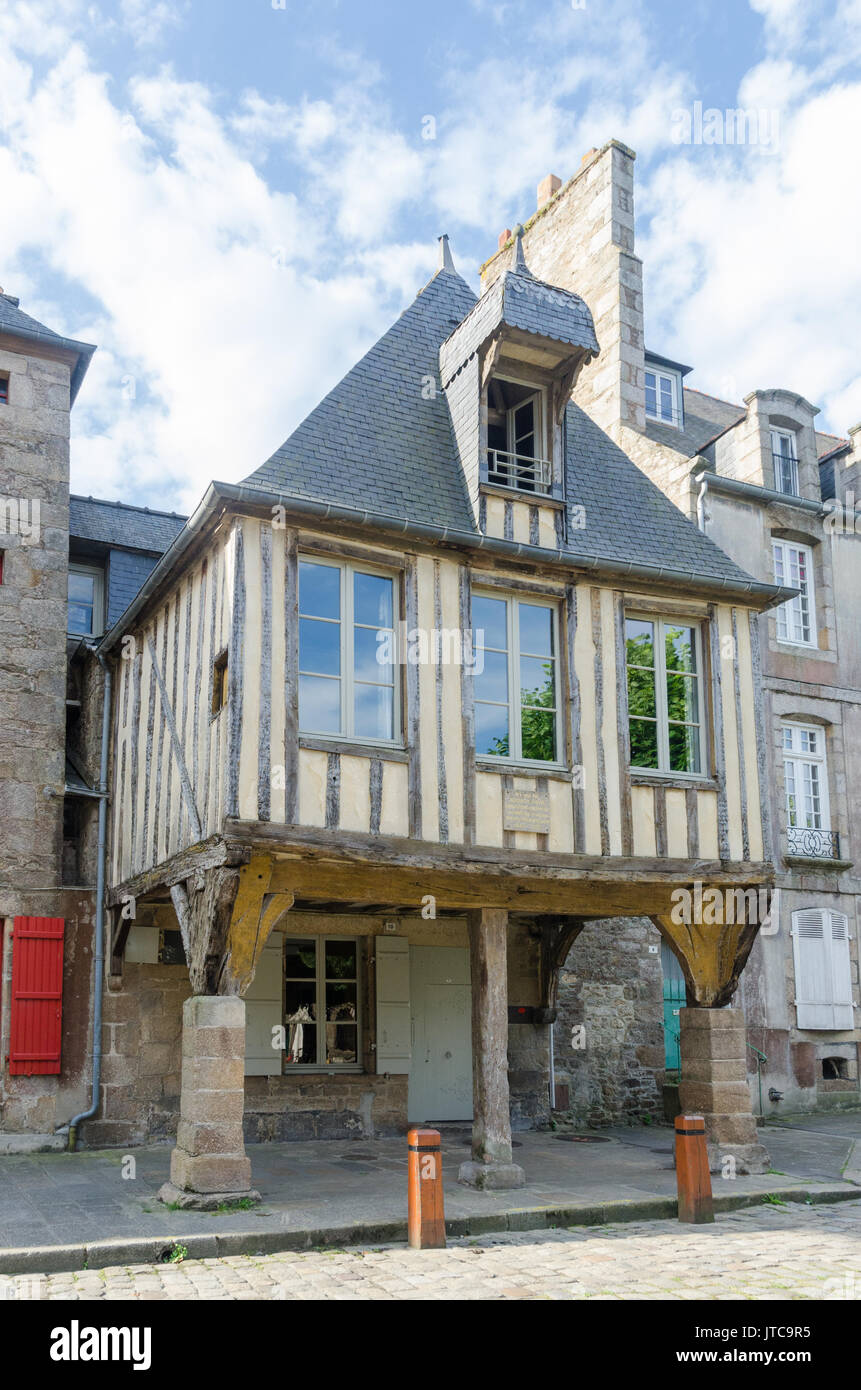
point(583, 1138)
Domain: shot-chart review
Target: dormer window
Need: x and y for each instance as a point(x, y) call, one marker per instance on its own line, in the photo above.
point(785, 462)
point(516, 449)
point(663, 397)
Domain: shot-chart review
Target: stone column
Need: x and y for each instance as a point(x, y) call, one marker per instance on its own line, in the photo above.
point(491, 1165)
point(209, 1165)
point(714, 1085)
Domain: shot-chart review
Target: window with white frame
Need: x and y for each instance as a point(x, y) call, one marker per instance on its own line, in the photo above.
point(321, 1001)
point(806, 777)
point(516, 679)
point(823, 970)
point(785, 462)
point(86, 585)
point(663, 396)
point(796, 619)
point(665, 694)
point(348, 684)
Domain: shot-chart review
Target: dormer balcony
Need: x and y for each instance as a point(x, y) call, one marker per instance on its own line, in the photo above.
point(520, 472)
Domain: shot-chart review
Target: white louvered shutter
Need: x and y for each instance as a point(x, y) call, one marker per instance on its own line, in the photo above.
point(394, 1035)
point(841, 971)
point(814, 990)
point(264, 1011)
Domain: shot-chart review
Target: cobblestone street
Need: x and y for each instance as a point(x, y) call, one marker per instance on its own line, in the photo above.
point(769, 1252)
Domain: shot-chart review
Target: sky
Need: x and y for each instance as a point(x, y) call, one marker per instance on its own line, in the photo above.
point(234, 198)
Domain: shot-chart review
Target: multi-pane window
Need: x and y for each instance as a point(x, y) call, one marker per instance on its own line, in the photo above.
point(321, 1001)
point(516, 679)
point(347, 661)
point(806, 779)
point(85, 601)
point(785, 462)
point(662, 397)
point(793, 566)
point(665, 698)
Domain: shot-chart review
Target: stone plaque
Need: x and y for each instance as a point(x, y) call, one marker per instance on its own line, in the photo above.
point(526, 810)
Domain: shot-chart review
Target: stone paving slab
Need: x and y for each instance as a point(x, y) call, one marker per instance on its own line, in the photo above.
point(60, 1211)
point(768, 1252)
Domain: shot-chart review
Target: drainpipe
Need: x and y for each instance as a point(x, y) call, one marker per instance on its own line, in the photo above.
point(701, 502)
point(99, 978)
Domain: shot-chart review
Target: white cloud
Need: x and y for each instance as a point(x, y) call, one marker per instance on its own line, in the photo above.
point(233, 305)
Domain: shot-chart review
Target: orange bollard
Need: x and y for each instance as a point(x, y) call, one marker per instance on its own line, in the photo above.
point(692, 1170)
point(426, 1220)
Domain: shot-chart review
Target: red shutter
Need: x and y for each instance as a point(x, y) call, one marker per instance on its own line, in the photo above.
point(37, 996)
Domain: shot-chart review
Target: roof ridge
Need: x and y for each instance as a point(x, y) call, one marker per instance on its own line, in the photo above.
point(126, 506)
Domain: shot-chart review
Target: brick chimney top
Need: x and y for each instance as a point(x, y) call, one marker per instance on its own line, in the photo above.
point(504, 237)
point(547, 187)
point(587, 156)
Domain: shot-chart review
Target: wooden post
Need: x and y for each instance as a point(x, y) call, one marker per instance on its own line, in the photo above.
point(491, 1164)
point(426, 1214)
point(692, 1170)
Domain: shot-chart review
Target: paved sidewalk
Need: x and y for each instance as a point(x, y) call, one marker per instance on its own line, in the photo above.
point(792, 1252)
point(99, 1208)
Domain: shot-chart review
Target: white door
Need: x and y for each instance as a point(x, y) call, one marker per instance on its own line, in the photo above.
point(440, 1086)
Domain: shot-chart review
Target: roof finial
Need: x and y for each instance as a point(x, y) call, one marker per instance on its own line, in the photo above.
point(445, 260)
point(519, 260)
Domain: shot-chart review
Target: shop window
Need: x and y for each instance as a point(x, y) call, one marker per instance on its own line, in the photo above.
point(321, 1001)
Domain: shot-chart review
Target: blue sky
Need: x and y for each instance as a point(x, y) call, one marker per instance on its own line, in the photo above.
point(235, 200)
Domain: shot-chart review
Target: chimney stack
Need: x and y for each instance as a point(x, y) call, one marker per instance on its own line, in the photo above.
point(504, 237)
point(547, 187)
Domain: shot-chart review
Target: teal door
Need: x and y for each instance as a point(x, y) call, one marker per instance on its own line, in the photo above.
point(674, 1002)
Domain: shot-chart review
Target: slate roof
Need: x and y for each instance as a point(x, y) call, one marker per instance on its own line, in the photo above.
point(627, 515)
point(13, 320)
point(377, 445)
point(376, 441)
point(117, 524)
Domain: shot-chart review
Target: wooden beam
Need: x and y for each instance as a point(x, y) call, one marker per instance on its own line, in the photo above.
point(208, 854)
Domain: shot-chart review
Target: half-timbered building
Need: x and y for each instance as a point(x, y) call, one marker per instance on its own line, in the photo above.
point(441, 681)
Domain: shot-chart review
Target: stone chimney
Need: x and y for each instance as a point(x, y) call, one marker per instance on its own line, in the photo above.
point(547, 187)
point(584, 241)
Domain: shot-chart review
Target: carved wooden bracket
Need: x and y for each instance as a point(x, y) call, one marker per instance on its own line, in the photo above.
point(558, 935)
point(711, 952)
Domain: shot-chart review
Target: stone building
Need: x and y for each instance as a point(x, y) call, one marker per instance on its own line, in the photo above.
point(67, 565)
point(779, 496)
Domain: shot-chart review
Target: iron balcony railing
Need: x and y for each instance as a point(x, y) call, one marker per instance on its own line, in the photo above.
point(791, 465)
point(813, 844)
point(520, 472)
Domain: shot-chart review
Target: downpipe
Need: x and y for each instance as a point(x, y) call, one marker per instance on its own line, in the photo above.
point(99, 975)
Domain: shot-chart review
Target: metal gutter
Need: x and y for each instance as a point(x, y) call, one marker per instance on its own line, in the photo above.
point(720, 483)
point(54, 340)
point(238, 494)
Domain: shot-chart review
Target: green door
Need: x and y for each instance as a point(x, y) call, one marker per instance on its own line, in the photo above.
point(674, 1002)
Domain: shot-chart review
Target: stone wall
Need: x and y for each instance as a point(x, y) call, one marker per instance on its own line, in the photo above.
point(142, 1058)
point(612, 984)
point(34, 473)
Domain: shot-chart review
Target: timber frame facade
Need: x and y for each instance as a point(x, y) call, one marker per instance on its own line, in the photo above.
point(310, 868)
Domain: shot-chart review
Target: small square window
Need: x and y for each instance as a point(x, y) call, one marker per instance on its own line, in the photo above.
point(219, 683)
point(4, 388)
